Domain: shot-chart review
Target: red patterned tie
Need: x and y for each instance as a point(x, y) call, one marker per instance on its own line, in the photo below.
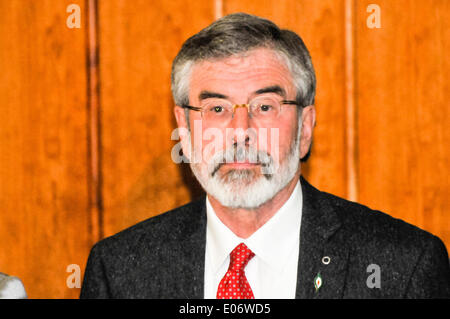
point(234, 284)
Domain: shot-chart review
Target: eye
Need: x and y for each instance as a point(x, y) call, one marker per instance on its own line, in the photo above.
point(265, 107)
point(217, 109)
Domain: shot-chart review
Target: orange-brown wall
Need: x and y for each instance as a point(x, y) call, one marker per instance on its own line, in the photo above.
point(86, 117)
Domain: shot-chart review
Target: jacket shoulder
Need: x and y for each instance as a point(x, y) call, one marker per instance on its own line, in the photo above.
point(370, 224)
point(361, 221)
point(141, 260)
point(166, 227)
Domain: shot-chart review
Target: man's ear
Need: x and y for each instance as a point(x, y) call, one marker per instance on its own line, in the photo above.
point(180, 116)
point(308, 123)
point(183, 130)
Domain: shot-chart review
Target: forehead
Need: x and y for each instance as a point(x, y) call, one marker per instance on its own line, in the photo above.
point(241, 74)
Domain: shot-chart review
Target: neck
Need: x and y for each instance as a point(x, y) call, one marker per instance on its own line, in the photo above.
point(244, 222)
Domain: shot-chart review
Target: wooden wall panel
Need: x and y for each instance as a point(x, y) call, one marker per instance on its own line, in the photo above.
point(403, 111)
point(138, 41)
point(43, 195)
point(321, 26)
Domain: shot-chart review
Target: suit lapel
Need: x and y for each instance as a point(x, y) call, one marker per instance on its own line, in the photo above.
point(322, 250)
point(189, 253)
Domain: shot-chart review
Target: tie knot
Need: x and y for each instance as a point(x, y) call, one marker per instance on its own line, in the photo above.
point(239, 257)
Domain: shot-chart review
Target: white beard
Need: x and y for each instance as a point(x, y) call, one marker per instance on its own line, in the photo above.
point(244, 188)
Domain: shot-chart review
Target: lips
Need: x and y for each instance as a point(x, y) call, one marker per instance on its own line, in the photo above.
point(242, 164)
point(237, 165)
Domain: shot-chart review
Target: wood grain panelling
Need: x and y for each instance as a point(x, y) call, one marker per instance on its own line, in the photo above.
point(138, 41)
point(403, 107)
point(43, 195)
point(321, 25)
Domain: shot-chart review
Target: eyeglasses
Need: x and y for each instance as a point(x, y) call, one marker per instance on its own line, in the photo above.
point(264, 109)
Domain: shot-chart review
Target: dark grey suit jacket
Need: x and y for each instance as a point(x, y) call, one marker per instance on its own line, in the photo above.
point(164, 256)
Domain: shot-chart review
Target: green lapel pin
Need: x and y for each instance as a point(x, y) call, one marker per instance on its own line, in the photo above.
point(318, 282)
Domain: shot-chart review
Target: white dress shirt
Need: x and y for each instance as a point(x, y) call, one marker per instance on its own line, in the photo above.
point(272, 272)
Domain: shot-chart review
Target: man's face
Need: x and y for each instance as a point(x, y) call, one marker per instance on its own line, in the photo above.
point(226, 167)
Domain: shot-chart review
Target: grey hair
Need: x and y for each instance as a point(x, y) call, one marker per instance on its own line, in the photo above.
point(239, 33)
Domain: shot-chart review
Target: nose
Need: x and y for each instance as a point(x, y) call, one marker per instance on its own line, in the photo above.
point(241, 117)
point(240, 124)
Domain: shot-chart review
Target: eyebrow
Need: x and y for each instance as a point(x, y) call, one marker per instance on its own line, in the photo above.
point(208, 95)
point(272, 89)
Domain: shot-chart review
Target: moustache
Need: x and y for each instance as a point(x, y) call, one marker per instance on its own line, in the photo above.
point(239, 154)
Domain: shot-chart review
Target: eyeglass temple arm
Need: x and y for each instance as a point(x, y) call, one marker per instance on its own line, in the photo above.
point(190, 107)
point(291, 102)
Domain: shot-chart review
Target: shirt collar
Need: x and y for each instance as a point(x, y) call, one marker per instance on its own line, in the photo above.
point(272, 243)
point(220, 240)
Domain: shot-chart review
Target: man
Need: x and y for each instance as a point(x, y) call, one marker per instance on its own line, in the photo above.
point(262, 231)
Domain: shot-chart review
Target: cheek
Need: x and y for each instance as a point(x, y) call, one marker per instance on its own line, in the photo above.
point(213, 140)
point(279, 140)
point(196, 139)
point(206, 142)
point(268, 140)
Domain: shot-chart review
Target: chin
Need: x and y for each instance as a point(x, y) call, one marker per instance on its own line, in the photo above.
point(243, 189)
point(239, 178)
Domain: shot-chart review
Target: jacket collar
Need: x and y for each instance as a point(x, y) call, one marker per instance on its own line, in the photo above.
point(320, 242)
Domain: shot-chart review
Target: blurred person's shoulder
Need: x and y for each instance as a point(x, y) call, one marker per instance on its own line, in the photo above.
point(11, 287)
